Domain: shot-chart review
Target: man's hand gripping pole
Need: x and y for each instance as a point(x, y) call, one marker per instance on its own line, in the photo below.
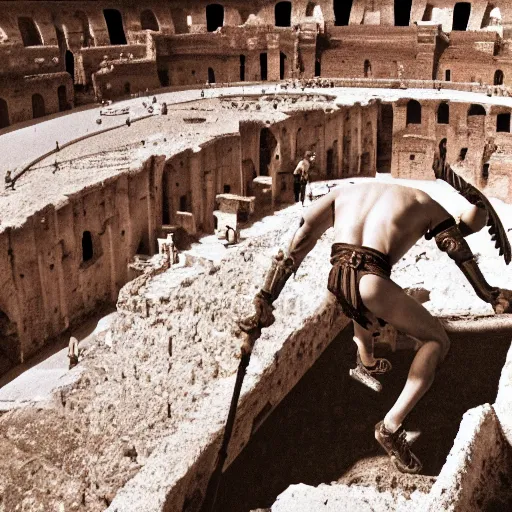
point(281, 269)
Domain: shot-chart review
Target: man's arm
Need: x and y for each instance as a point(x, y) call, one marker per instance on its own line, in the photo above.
point(451, 241)
point(315, 222)
point(472, 220)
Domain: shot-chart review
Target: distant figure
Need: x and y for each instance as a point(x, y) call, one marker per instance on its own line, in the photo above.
point(73, 352)
point(163, 110)
point(301, 176)
point(202, 93)
point(9, 182)
point(154, 99)
point(128, 122)
point(57, 148)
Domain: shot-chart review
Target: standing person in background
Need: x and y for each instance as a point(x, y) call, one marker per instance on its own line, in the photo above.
point(301, 176)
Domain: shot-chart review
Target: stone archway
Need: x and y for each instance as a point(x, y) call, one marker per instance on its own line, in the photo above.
point(283, 14)
point(461, 13)
point(214, 17)
point(114, 21)
point(385, 138)
point(62, 97)
point(342, 9)
point(268, 144)
point(38, 107)
point(4, 114)
point(148, 21)
point(9, 340)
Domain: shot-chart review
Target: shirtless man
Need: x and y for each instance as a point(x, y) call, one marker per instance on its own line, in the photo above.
point(375, 224)
point(301, 176)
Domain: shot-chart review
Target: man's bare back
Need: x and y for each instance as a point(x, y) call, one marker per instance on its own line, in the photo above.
point(388, 218)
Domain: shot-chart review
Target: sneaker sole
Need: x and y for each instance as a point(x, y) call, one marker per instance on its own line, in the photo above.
point(366, 380)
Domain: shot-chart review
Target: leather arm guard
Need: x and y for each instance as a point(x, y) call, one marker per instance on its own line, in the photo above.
point(452, 242)
point(280, 271)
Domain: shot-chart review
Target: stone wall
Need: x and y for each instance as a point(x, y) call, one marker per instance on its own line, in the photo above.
point(191, 45)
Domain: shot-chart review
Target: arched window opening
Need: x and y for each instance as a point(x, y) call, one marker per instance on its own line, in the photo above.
point(87, 37)
point(485, 172)
point(127, 88)
point(263, 66)
point(148, 21)
point(29, 32)
point(443, 114)
point(4, 114)
point(283, 14)
point(211, 76)
point(318, 66)
point(492, 16)
point(184, 206)
point(402, 13)
point(268, 144)
point(342, 10)
point(242, 68)
point(179, 19)
point(163, 77)
point(143, 247)
point(498, 77)
point(115, 27)
point(38, 109)
point(462, 154)
point(9, 340)
point(461, 13)
point(427, 13)
point(70, 64)
point(476, 110)
point(413, 112)
point(214, 17)
point(87, 247)
point(503, 123)
point(310, 9)
point(385, 138)
point(282, 65)
point(329, 165)
point(447, 75)
point(63, 99)
point(367, 69)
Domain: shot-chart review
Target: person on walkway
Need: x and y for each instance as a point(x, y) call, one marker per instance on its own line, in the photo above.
point(375, 224)
point(301, 176)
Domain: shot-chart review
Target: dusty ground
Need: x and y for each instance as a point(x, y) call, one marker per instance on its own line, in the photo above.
point(322, 431)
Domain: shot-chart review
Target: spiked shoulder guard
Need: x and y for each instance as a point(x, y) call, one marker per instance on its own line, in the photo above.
point(498, 234)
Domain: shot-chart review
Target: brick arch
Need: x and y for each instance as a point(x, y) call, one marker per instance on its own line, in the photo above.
point(148, 21)
point(30, 33)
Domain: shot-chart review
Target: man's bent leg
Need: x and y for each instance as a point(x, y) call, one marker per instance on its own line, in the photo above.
point(366, 364)
point(388, 301)
point(364, 341)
